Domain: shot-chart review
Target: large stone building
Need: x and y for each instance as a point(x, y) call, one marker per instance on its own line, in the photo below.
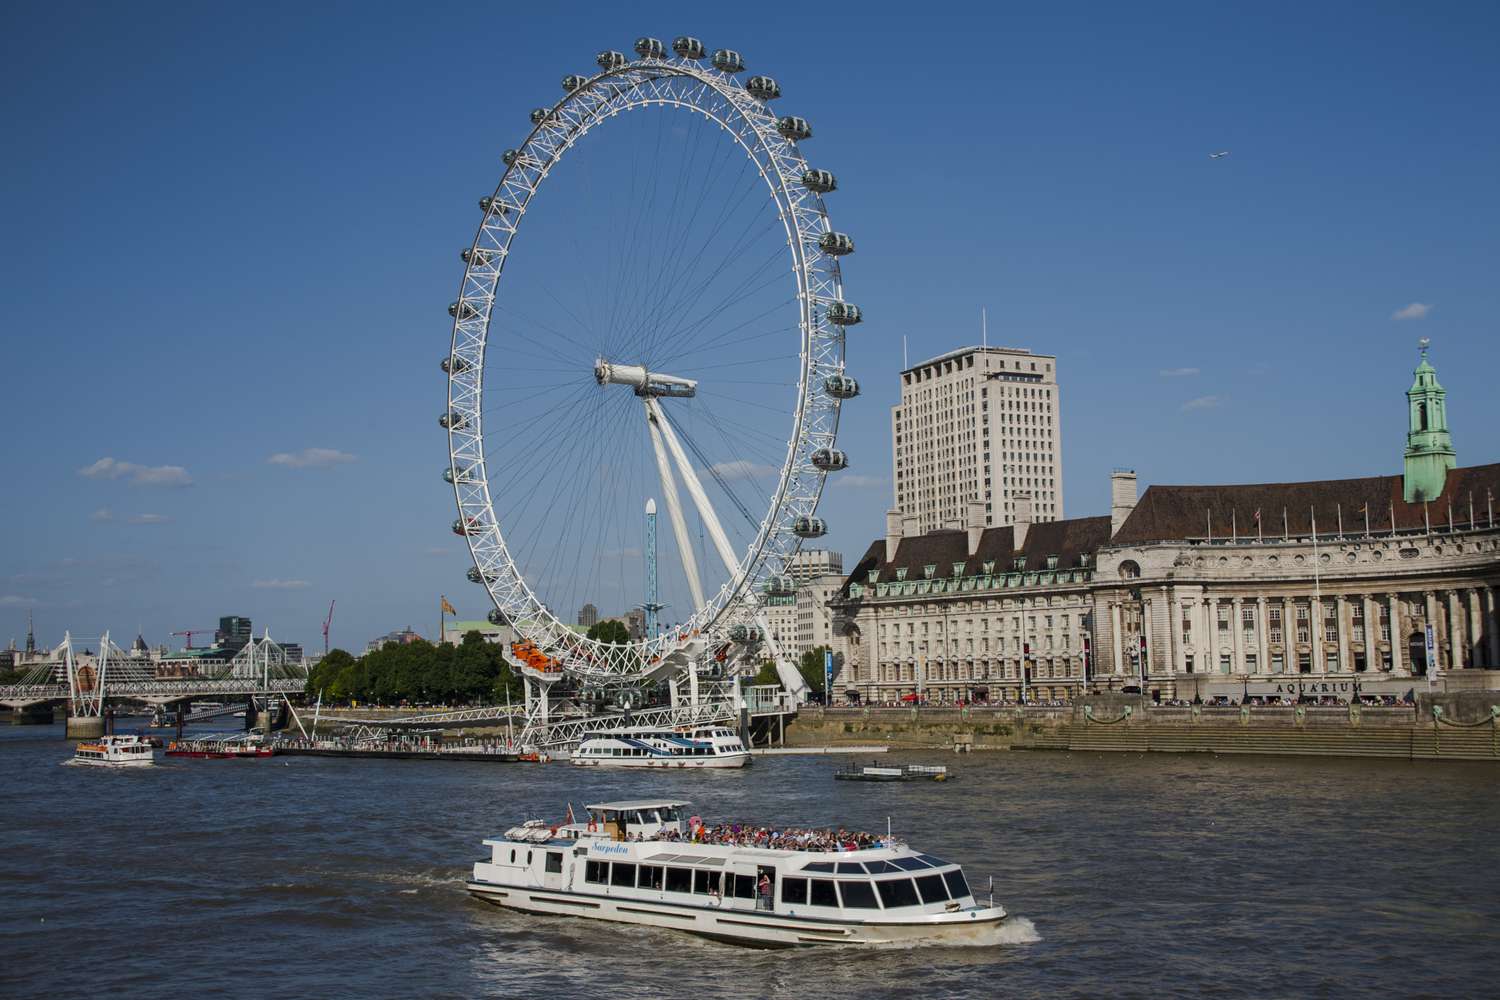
point(980, 423)
point(804, 620)
point(1331, 588)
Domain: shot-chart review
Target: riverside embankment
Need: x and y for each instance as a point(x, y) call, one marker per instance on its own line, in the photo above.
point(1458, 727)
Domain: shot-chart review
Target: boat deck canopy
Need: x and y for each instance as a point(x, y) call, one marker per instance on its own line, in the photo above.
point(630, 804)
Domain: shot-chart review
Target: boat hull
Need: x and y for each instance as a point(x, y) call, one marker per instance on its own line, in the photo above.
point(755, 928)
point(730, 760)
point(144, 760)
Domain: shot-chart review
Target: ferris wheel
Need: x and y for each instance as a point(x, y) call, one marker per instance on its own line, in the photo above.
point(673, 326)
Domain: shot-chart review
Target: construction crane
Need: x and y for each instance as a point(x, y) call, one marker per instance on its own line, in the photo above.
point(326, 623)
point(190, 632)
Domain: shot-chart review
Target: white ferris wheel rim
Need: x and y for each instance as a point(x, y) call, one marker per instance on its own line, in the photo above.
point(646, 82)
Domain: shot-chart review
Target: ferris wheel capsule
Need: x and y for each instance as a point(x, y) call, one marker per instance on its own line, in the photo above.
point(728, 61)
point(744, 634)
point(453, 421)
point(844, 313)
point(539, 115)
point(610, 59)
point(450, 478)
point(573, 82)
point(477, 577)
point(836, 244)
point(763, 88)
point(820, 181)
point(829, 460)
point(479, 257)
point(809, 527)
point(497, 617)
point(841, 387)
point(462, 526)
point(489, 203)
point(452, 365)
point(687, 47)
point(794, 128)
point(780, 586)
point(650, 48)
point(462, 310)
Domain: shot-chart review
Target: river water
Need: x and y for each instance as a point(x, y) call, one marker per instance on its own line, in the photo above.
point(1130, 875)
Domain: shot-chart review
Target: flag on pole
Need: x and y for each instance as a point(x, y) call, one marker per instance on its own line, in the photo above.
point(447, 608)
point(1258, 536)
point(1286, 526)
point(1341, 519)
point(1393, 518)
point(1365, 510)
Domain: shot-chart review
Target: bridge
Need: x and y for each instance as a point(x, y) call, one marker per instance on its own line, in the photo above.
point(87, 681)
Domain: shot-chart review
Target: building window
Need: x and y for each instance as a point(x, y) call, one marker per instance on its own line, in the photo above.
point(1304, 663)
point(1276, 633)
point(1251, 662)
point(1226, 664)
point(1187, 662)
point(1278, 663)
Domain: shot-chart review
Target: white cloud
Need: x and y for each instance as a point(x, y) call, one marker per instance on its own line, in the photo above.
point(148, 519)
point(1178, 372)
point(1204, 403)
point(742, 469)
point(281, 584)
point(1417, 310)
point(311, 458)
point(102, 514)
point(856, 480)
point(16, 601)
point(139, 475)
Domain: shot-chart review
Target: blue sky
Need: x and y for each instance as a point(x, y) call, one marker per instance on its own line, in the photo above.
point(231, 235)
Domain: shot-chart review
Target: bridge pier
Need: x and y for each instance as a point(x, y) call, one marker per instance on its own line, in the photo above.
point(84, 727)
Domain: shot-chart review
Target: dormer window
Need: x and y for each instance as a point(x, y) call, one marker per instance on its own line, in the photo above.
point(958, 569)
point(929, 569)
point(901, 573)
point(1052, 562)
point(989, 567)
point(1017, 565)
point(874, 576)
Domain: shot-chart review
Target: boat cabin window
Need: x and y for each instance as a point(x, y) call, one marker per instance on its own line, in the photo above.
point(794, 890)
point(818, 866)
point(650, 877)
point(679, 880)
point(622, 875)
point(956, 883)
point(705, 882)
point(744, 886)
point(909, 864)
point(932, 889)
point(880, 867)
point(850, 868)
point(822, 892)
point(512, 855)
point(896, 892)
point(596, 872)
point(934, 862)
point(554, 862)
point(858, 895)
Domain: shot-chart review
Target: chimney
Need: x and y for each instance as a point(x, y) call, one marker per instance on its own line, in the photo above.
point(911, 526)
point(975, 524)
point(1121, 498)
point(892, 534)
point(1023, 520)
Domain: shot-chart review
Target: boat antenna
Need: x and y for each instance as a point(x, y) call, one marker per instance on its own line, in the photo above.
point(887, 828)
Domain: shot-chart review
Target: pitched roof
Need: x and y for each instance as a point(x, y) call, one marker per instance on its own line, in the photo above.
point(1176, 512)
point(1067, 540)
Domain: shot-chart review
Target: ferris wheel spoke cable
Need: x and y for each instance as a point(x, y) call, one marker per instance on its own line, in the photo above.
point(714, 472)
point(733, 298)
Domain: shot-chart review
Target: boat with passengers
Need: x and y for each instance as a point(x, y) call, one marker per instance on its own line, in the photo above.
point(115, 751)
point(703, 746)
point(651, 862)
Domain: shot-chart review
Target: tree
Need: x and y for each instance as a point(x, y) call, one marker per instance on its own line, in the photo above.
point(811, 669)
point(611, 631)
point(323, 674)
point(767, 673)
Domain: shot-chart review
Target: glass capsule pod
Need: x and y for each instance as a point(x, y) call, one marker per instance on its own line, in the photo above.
point(453, 421)
point(829, 460)
point(610, 59)
point(462, 527)
point(463, 475)
point(744, 633)
point(687, 47)
point(497, 617)
point(476, 577)
point(763, 88)
point(841, 387)
point(809, 527)
point(836, 244)
point(844, 313)
point(462, 310)
point(820, 181)
point(780, 586)
point(729, 61)
point(650, 48)
point(489, 203)
point(478, 258)
point(794, 128)
point(453, 365)
point(573, 82)
point(540, 115)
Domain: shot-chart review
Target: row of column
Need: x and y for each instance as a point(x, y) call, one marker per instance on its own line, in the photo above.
point(1471, 635)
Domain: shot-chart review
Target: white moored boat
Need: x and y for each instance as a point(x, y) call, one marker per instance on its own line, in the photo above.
point(708, 746)
point(645, 862)
point(114, 751)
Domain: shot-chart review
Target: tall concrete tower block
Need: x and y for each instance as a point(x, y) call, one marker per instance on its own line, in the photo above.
point(1122, 497)
point(1429, 446)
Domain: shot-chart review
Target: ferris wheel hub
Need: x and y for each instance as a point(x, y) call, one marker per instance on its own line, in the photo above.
point(645, 383)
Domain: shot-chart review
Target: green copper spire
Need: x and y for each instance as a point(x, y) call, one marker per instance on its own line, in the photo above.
point(1429, 448)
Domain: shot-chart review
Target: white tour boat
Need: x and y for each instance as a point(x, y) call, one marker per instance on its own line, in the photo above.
point(645, 862)
point(115, 751)
point(710, 746)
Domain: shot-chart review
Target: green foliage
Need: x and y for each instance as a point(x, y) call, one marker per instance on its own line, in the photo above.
point(611, 632)
point(473, 671)
point(811, 668)
point(767, 673)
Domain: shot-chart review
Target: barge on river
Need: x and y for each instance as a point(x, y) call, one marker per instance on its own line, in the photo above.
point(646, 862)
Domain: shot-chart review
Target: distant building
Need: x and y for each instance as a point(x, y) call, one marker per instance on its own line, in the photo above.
point(588, 615)
point(233, 634)
point(804, 621)
point(403, 637)
point(454, 631)
point(980, 423)
point(635, 623)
